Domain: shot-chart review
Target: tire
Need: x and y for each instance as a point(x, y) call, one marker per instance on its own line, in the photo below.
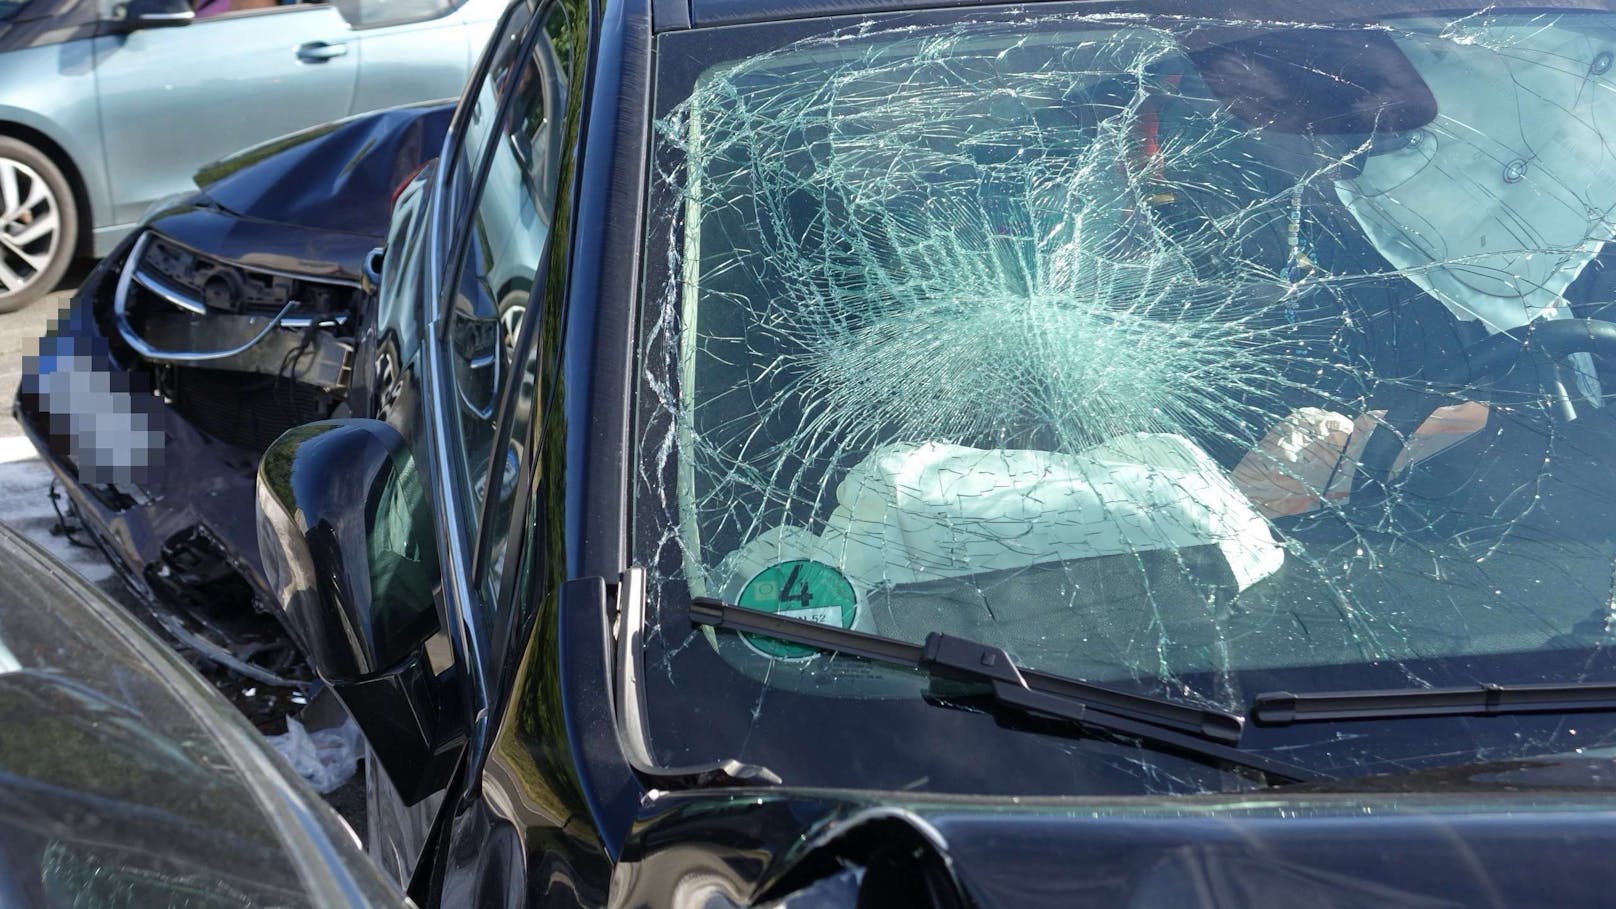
point(33, 194)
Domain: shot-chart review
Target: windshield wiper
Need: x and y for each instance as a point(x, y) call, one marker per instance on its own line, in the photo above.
point(1282, 708)
point(1208, 736)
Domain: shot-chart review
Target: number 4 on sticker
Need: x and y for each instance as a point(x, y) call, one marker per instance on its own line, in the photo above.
point(796, 589)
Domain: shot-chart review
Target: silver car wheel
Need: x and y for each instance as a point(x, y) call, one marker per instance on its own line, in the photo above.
point(30, 225)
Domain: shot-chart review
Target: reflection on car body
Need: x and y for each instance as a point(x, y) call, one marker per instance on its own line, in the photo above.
point(1121, 369)
point(1200, 402)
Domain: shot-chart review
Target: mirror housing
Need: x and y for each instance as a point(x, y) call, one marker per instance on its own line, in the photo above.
point(135, 15)
point(346, 537)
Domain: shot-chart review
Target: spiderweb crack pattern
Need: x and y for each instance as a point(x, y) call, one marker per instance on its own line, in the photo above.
point(1045, 233)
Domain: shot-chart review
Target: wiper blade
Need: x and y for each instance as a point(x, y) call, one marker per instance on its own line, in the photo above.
point(1206, 735)
point(1282, 708)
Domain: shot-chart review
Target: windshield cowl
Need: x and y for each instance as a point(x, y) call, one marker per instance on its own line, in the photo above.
point(1547, 775)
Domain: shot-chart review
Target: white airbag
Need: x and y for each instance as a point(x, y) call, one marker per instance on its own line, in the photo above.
point(1498, 205)
point(910, 513)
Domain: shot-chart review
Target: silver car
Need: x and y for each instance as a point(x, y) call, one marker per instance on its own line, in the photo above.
point(108, 106)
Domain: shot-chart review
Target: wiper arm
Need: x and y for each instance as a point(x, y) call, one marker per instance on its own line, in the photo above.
point(1205, 735)
point(1281, 708)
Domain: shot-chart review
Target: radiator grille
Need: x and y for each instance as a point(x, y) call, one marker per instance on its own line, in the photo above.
point(242, 409)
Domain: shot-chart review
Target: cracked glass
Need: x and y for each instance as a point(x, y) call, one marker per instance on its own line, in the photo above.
point(1193, 355)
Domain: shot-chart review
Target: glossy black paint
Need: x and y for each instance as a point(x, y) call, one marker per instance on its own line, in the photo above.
point(314, 203)
point(336, 502)
point(322, 488)
point(566, 819)
point(544, 822)
point(555, 810)
point(585, 670)
point(1488, 836)
point(337, 177)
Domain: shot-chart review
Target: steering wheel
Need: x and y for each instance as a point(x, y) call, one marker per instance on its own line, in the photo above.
point(1485, 362)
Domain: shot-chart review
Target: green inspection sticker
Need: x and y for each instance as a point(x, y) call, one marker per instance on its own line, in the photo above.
point(800, 589)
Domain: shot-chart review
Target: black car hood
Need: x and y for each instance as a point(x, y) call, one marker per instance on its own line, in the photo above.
point(336, 177)
point(1519, 834)
point(310, 204)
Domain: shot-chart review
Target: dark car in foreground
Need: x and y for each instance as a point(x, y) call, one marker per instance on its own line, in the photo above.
point(126, 781)
point(1087, 454)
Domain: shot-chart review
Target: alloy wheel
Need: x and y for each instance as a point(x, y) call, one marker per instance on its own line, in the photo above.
point(30, 225)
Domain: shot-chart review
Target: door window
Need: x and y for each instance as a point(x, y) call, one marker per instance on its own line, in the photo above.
point(482, 113)
point(494, 368)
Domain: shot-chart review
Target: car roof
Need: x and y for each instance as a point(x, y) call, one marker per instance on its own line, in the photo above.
point(678, 14)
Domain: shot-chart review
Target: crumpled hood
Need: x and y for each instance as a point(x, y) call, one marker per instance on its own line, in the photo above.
point(1523, 833)
point(335, 177)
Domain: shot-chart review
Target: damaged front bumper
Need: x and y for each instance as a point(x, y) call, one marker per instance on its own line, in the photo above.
point(152, 398)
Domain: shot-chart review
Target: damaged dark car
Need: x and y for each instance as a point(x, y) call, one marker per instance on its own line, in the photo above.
point(860, 453)
point(231, 315)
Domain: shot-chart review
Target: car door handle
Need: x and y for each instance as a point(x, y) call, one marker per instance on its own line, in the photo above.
point(321, 51)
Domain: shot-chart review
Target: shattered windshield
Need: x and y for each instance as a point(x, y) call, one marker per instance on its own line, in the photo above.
point(1185, 355)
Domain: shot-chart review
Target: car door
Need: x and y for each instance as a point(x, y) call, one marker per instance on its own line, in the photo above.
point(416, 50)
point(173, 99)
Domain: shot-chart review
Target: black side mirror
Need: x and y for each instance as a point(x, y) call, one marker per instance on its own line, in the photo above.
point(347, 544)
point(138, 14)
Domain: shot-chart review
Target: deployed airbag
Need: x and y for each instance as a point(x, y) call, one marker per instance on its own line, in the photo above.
point(1498, 205)
point(910, 513)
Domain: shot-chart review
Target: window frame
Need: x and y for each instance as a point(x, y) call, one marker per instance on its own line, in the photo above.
point(442, 243)
point(464, 527)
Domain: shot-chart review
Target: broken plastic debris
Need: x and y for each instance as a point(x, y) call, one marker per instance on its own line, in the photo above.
point(326, 758)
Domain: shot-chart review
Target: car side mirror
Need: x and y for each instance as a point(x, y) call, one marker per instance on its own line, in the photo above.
point(346, 537)
point(140, 14)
